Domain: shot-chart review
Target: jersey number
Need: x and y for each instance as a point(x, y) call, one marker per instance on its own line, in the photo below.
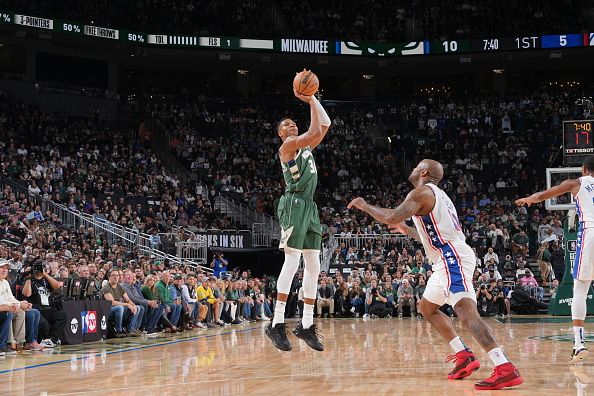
point(312, 166)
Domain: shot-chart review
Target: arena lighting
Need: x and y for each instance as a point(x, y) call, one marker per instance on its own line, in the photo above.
point(389, 139)
point(368, 76)
point(242, 72)
point(498, 71)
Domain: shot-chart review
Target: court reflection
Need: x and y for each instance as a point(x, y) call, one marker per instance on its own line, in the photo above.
point(384, 356)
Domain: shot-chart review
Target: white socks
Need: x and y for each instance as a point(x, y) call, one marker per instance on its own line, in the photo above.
point(497, 356)
point(307, 319)
point(578, 335)
point(279, 312)
point(457, 344)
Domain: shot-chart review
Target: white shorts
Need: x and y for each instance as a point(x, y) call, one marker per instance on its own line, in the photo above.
point(583, 265)
point(452, 282)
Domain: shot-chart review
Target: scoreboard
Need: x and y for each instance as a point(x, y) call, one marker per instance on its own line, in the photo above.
point(323, 47)
point(578, 141)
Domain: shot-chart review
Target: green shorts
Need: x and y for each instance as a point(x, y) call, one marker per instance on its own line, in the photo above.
point(300, 223)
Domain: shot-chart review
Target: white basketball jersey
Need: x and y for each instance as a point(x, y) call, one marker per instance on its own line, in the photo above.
point(440, 230)
point(584, 202)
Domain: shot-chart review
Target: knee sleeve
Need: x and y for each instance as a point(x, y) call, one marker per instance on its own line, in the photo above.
point(578, 303)
point(290, 266)
point(311, 259)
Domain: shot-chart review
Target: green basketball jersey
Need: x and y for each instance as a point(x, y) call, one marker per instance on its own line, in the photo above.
point(301, 174)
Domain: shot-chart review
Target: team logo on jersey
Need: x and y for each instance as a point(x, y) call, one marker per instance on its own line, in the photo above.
point(285, 235)
point(306, 154)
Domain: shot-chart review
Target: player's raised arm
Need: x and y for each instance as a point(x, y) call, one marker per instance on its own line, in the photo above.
point(568, 186)
point(318, 126)
point(419, 200)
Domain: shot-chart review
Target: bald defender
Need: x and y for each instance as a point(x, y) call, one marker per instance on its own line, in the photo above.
point(437, 227)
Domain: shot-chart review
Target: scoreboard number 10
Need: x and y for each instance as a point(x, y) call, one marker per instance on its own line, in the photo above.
point(450, 46)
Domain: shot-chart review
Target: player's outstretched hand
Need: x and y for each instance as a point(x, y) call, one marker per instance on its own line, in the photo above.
point(399, 228)
point(306, 99)
point(358, 203)
point(525, 201)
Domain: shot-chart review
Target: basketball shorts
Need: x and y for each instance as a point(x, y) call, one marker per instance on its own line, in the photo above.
point(452, 277)
point(583, 265)
point(300, 223)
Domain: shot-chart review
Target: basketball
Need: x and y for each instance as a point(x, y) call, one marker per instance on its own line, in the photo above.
point(306, 83)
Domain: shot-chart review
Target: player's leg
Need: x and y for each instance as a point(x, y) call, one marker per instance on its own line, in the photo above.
point(578, 316)
point(306, 330)
point(464, 360)
point(438, 319)
point(433, 298)
point(505, 373)
point(276, 329)
point(292, 238)
point(469, 317)
point(312, 243)
point(291, 242)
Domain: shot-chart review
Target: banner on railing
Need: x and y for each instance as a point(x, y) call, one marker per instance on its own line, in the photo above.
point(227, 240)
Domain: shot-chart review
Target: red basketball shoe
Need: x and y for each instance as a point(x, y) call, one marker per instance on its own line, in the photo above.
point(466, 364)
point(503, 376)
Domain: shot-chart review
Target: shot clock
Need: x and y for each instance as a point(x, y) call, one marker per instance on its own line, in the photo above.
point(578, 141)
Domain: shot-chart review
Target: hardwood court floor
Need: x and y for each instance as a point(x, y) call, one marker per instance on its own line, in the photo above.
point(363, 357)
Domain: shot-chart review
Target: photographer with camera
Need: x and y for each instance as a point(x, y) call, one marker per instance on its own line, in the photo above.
point(219, 264)
point(378, 303)
point(37, 287)
point(484, 300)
point(26, 318)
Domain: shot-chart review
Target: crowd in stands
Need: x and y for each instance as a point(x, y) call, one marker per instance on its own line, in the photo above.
point(39, 256)
point(372, 21)
point(88, 166)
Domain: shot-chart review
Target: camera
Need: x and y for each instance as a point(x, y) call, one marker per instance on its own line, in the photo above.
point(483, 287)
point(37, 266)
point(374, 290)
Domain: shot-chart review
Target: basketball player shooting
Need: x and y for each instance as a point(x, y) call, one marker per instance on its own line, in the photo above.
point(300, 223)
point(437, 228)
point(583, 268)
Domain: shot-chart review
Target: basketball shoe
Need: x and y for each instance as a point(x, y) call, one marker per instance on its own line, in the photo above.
point(311, 336)
point(278, 336)
point(503, 376)
point(578, 353)
point(465, 362)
